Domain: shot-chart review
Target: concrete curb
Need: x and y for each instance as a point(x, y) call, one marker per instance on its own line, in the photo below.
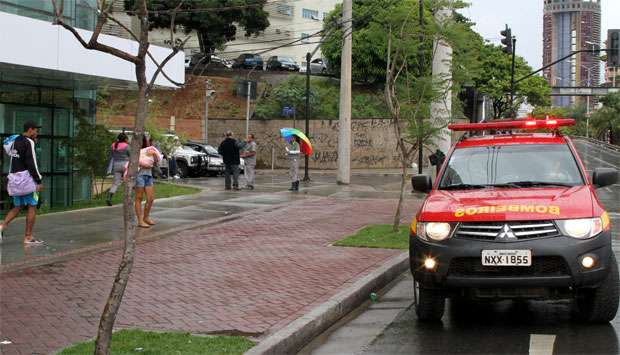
point(297, 334)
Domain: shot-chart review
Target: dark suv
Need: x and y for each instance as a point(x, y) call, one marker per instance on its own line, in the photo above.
point(282, 64)
point(248, 61)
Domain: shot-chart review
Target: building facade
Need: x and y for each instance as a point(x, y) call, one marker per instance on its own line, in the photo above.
point(289, 21)
point(568, 26)
point(46, 76)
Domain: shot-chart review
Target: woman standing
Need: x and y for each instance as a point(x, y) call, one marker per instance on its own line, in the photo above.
point(293, 160)
point(149, 156)
point(119, 157)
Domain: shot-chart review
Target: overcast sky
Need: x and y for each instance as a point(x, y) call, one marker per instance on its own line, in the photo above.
point(525, 17)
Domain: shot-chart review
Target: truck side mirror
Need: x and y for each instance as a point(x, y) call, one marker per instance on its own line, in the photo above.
point(602, 177)
point(422, 183)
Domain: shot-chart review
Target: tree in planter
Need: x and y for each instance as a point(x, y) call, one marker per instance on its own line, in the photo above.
point(145, 86)
point(91, 146)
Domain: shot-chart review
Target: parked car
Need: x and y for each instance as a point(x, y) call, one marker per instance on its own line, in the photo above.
point(216, 162)
point(214, 62)
point(190, 162)
point(248, 61)
point(282, 64)
point(317, 66)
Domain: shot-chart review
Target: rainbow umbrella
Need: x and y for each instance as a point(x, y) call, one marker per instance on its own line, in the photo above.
point(288, 133)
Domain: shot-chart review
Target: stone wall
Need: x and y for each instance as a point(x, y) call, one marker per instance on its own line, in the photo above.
point(374, 145)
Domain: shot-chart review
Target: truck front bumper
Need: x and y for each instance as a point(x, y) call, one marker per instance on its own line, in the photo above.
point(556, 263)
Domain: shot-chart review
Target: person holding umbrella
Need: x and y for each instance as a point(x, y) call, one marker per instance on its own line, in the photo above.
point(293, 162)
point(299, 144)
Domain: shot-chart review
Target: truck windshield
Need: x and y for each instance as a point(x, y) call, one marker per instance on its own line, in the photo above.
point(511, 166)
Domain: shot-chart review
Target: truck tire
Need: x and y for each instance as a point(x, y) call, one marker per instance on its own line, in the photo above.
point(600, 305)
point(430, 305)
point(182, 169)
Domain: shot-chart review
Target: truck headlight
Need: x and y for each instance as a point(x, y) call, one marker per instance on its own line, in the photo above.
point(436, 231)
point(582, 228)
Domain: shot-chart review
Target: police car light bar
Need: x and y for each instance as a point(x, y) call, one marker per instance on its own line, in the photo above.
point(530, 123)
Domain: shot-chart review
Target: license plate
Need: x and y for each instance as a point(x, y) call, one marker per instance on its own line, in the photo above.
point(506, 257)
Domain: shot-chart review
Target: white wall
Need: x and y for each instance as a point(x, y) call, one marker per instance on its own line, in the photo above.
point(34, 43)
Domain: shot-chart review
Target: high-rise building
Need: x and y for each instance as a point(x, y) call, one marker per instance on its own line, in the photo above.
point(568, 26)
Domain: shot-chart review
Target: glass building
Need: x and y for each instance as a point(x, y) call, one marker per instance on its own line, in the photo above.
point(46, 76)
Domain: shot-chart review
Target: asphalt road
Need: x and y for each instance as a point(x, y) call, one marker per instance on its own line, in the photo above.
point(390, 326)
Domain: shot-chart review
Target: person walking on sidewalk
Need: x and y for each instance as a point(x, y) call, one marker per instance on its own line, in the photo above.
point(293, 160)
point(249, 155)
point(149, 156)
point(229, 150)
point(25, 181)
point(119, 158)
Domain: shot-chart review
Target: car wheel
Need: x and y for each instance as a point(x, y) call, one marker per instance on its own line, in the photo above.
point(430, 304)
point(182, 169)
point(600, 305)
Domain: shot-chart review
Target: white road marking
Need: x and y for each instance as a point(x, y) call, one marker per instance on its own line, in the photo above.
point(541, 344)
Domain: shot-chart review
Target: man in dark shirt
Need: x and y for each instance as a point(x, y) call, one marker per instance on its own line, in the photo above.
point(229, 150)
point(24, 158)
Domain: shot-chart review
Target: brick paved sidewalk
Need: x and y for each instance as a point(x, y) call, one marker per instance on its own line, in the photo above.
point(244, 276)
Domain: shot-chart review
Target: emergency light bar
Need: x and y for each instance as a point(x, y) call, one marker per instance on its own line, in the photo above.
point(530, 123)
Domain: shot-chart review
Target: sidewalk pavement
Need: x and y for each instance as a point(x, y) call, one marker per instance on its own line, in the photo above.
point(248, 276)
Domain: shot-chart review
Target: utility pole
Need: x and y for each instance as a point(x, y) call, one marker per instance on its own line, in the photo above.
point(307, 112)
point(421, 69)
point(344, 133)
point(247, 111)
point(208, 93)
point(512, 75)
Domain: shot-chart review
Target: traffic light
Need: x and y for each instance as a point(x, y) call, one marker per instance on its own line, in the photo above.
point(507, 40)
point(613, 46)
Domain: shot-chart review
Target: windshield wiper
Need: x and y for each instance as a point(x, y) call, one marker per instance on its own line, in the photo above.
point(537, 183)
point(463, 187)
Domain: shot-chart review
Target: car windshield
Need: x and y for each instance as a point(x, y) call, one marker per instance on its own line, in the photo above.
point(511, 166)
point(210, 150)
point(287, 60)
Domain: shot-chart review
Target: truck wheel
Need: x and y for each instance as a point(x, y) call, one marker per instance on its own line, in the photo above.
point(430, 304)
point(601, 304)
point(182, 169)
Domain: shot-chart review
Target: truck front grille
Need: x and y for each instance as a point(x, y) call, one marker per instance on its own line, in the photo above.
point(493, 230)
point(541, 266)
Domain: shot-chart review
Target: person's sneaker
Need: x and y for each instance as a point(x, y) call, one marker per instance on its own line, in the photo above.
point(236, 188)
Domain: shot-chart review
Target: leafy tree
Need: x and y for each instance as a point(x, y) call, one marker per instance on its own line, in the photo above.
point(493, 78)
point(215, 21)
point(605, 122)
point(91, 147)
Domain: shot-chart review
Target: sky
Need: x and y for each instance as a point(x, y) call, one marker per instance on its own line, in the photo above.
point(525, 17)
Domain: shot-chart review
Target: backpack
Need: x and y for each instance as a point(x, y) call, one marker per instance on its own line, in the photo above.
point(8, 145)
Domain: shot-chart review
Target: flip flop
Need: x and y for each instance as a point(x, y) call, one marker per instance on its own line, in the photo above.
point(150, 222)
point(144, 226)
point(33, 241)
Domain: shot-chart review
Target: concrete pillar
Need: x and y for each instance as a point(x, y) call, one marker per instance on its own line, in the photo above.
point(344, 133)
point(441, 109)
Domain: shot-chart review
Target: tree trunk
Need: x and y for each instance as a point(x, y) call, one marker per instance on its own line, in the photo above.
point(108, 316)
point(401, 199)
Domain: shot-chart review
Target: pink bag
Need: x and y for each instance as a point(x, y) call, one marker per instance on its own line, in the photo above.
point(21, 184)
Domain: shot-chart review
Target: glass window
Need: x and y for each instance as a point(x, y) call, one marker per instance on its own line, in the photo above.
point(310, 14)
point(510, 164)
point(80, 13)
point(81, 187)
point(284, 9)
point(61, 191)
point(61, 155)
point(62, 122)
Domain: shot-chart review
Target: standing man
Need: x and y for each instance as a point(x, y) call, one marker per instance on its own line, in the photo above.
point(293, 160)
point(229, 150)
point(249, 154)
point(24, 158)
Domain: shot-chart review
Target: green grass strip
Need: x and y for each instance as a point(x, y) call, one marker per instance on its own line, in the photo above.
point(126, 342)
point(377, 236)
